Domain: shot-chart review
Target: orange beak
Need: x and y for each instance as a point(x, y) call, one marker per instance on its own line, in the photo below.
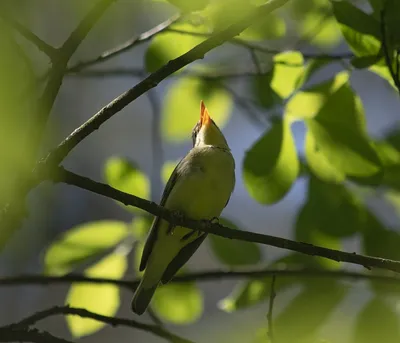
point(204, 116)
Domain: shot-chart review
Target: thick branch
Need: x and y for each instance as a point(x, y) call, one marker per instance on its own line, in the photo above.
point(143, 37)
point(113, 321)
point(11, 334)
point(62, 175)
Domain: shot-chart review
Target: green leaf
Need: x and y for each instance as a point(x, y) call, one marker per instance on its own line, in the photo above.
point(100, 299)
point(82, 243)
point(233, 252)
point(335, 210)
point(377, 322)
point(272, 28)
point(308, 311)
point(339, 132)
point(265, 95)
point(379, 241)
point(307, 103)
point(364, 61)
point(181, 109)
point(308, 230)
point(190, 6)
point(349, 15)
point(320, 29)
point(167, 169)
point(271, 165)
point(178, 303)
point(127, 177)
point(319, 164)
point(252, 292)
point(288, 66)
point(310, 69)
point(169, 45)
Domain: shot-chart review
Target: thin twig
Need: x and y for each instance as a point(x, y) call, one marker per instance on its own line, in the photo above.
point(256, 63)
point(157, 321)
point(203, 276)
point(124, 47)
point(62, 175)
point(198, 52)
point(113, 321)
point(50, 51)
point(272, 296)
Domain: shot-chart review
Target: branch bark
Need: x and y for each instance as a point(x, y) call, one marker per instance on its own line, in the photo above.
point(113, 321)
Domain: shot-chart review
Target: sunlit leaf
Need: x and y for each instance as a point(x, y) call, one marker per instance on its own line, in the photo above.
point(308, 311)
point(307, 103)
point(190, 6)
point(101, 299)
point(178, 303)
point(81, 243)
point(320, 29)
point(181, 109)
point(339, 132)
point(127, 177)
point(377, 322)
point(272, 28)
point(319, 163)
point(233, 252)
point(169, 45)
point(310, 69)
point(287, 69)
point(271, 165)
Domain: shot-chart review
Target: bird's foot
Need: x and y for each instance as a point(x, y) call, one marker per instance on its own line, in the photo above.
point(178, 215)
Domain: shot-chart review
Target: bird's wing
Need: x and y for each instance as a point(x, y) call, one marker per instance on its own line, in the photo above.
point(154, 227)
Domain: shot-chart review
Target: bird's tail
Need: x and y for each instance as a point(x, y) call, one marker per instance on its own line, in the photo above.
point(142, 297)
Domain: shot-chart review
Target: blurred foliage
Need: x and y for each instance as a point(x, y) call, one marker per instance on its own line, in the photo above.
point(182, 101)
point(101, 299)
point(339, 155)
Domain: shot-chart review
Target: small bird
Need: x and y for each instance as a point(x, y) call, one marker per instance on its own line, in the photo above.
point(200, 187)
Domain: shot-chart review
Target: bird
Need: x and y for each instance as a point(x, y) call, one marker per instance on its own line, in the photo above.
point(200, 187)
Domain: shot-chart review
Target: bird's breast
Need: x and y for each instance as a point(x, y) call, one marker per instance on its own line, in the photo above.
point(205, 186)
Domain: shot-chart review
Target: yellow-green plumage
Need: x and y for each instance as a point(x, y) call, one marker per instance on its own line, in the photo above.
point(200, 188)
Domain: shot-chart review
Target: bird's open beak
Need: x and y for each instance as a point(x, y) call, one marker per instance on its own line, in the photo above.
point(204, 116)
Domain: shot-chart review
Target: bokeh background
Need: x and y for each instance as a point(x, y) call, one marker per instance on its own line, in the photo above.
point(55, 208)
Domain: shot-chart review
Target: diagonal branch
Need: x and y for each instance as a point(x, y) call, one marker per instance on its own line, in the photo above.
point(11, 334)
point(62, 175)
point(113, 321)
point(124, 47)
point(59, 66)
point(46, 48)
point(198, 52)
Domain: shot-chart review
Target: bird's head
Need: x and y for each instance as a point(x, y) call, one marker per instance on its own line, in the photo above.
point(206, 132)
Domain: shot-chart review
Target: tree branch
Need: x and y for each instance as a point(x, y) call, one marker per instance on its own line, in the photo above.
point(50, 51)
point(204, 276)
point(124, 47)
point(113, 321)
point(198, 52)
point(12, 334)
point(61, 175)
